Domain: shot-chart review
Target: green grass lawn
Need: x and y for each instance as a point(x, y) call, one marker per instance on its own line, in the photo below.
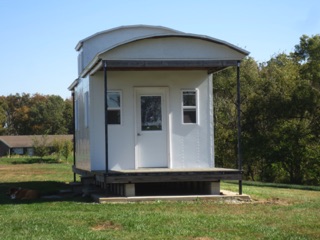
point(277, 212)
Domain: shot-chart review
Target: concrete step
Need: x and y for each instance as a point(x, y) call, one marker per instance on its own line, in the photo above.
point(225, 196)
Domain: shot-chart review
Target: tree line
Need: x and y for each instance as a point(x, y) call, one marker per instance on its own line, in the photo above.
point(36, 114)
point(280, 116)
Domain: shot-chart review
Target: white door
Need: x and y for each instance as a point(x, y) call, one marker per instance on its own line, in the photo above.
point(151, 127)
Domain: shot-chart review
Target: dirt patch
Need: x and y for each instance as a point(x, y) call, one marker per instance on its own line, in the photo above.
point(27, 169)
point(109, 225)
point(273, 201)
point(203, 238)
point(19, 173)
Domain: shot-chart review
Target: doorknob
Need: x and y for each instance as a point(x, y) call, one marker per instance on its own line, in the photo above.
point(139, 134)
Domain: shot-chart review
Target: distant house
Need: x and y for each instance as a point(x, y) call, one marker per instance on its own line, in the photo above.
point(24, 145)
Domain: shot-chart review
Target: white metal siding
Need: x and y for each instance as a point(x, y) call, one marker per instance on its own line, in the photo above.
point(172, 48)
point(97, 123)
point(190, 144)
point(100, 42)
point(82, 132)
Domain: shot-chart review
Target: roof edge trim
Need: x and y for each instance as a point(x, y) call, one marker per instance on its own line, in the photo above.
point(73, 84)
point(183, 35)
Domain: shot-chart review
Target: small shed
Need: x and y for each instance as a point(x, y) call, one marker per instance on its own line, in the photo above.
point(24, 144)
point(143, 108)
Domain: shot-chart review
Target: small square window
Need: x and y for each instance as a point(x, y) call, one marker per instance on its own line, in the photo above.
point(114, 107)
point(189, 116)
point(189, 98)
point(189, 106)
point(114, 100)
point(113, 116)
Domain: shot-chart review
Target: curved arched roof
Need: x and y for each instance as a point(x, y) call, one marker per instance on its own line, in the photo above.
point(141, 42)
point(135, 31)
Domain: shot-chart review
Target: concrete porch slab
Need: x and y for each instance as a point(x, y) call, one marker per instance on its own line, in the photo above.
point(225, 196)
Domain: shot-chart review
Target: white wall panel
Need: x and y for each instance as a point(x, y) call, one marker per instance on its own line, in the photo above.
point(82, 132)
point(190, 145)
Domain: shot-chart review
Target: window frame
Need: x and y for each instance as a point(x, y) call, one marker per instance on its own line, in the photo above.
point(115, 108)
point(195, 108)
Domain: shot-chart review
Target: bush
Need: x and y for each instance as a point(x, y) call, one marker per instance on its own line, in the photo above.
point(41, 146)
point(67, 149)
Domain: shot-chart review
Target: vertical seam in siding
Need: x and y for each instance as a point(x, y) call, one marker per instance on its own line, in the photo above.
point(211, 127)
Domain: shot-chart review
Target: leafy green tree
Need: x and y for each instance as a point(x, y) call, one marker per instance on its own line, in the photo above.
point(62, 148)
point(3, 116)
point(55, 120)
point(47, 115)
point(68, 115)
point(225, 111)
point(281, 122)
point(35, 115)
point(67, 149)
point(225, 118)
point(19, 106)
point(307, 52)
point(58, 148)
point(40, 146)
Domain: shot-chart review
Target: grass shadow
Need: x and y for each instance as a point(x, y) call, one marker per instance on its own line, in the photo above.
point(35, 160)
point(28, 160)
point(59, 191)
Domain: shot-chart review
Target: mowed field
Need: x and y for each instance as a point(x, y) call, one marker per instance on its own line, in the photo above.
point(276, 212)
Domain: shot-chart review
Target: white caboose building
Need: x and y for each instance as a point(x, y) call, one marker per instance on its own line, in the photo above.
point(144, 107)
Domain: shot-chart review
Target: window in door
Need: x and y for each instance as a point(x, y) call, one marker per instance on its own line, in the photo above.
point(151, 118)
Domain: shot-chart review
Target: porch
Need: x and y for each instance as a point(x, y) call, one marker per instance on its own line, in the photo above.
point(159, 181)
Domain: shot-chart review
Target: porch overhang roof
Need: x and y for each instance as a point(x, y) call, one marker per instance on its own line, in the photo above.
point(126, 65)
point(211, 66)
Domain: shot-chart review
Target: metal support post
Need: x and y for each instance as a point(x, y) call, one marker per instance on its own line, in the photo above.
point(239, 125)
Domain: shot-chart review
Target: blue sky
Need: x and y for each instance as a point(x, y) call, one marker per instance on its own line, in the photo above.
point(38, 37)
